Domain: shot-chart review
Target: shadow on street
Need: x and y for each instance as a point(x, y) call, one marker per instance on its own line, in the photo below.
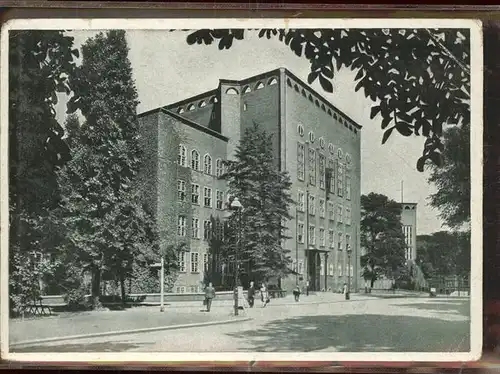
point(460, 308)
point(359, 333)
point(83, 347)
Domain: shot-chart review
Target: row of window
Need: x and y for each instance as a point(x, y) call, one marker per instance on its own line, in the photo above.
point(195, 195)
point(335, 172)
point(208, 230)
point(311, 208)
point(331, 266)
point(322, 144)
point(195, 164)
point(194, 263)
point(322, 237)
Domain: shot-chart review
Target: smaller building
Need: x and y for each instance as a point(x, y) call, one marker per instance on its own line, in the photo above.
point(409, 223)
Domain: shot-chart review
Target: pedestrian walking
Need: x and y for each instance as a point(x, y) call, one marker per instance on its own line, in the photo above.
point(251, 295)
point(209, 295)
point(264, 295)
point(307, 288)
point(296, 293)
point(344, 289)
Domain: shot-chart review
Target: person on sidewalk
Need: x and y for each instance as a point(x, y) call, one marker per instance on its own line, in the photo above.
point(296, 293)
point(307, 288)
point(264, 295)
point(209, 295)
point(251, 295)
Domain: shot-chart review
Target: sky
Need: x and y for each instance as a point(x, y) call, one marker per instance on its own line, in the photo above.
point(166, 69)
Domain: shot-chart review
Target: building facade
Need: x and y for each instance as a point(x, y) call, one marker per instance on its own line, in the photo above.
point(317, 144)
point(409, 223)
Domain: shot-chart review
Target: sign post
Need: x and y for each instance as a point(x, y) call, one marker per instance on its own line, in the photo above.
point(162, 283)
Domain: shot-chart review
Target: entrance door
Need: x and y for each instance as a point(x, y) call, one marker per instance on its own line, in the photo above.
point(313, 270)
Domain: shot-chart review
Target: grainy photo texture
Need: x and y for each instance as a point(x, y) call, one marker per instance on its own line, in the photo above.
point(241, 190)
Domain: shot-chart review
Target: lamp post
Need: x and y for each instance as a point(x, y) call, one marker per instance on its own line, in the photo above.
point(236, 205)
point(161, 267)
point(348, 292)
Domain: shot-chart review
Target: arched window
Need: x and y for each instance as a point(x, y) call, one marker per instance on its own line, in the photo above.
point(272, 81)
point(182, 157)
point(311, 137)
point(303, 92)
point(329, 112)
point(300, 130)
point(219, 168)
point(180, 110)
point(207, 164)
point(323, 107)
point(331, 148)
point(296, 88)
point(334, 115)
point(259, 86)
point(213, 99)
point(340, 154)
point(202, 104)
point(232, 91)
point(191, 107)
point(322, 142)
point(310, 98)
point(317, 103)
point(289, 82)
point(247, 89)
point(195, 160)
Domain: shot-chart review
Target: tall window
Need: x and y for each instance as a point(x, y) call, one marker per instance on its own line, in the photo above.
point(330, 269)
point(331, 238)
point(331, 211)
point(321, 162)
point(322, 208)
point(301, 267)
point(339, 269)
point(340, 215)
point(300, 232)
point(207, 164)
point(347, 241)
point(205, 261)
point(219, 231)
point(195, 160)
point(348, 216)
point(195, 193)
point(348, 187)
point(312, 235)
point(312, 205)
point(312, 166)
point(322, 237)
point(194, 262)
point(331, 167)
point(340, 179)
point(219, 168)
point(182, 157)
point(181, 190)
point(181, 226)
point(207, 229)
point(220, 199)
point(301, 201)
point(207, 195)
point(322, 269)
point(182, 262)
point(340, 241)
point(300, 161)
point(195, 225)
point(408, 234)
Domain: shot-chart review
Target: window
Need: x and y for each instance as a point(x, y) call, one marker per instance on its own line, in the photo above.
point(348, 187)
point(300, 130)
point(301, 201)
point(340, 179)
point(347, 242)
point(351, 270)
point(348, 216)
point(322, 237)
point(273, 81)
point(182, 262)
point(331, 238)
point(300, 232)
point(207, 195)
point(300, 162)
point(331, 172)
point(340, 154)
point(322, 208)
point(322, 269)
point(245, 107)
point(312, 166)
point(205, 261)
point(330, 269)
point(340, 241)
point(181, 226)
point(195, 193)
point(220, 199)
point(321, 162)
point(247, 89)
point(207, 230)
point(339, 269)
point(195, 160)
point(311, 137)
point(301, 267)
point(294, 265)
point(181, 190)
point(207, 164)
point(232, 91)
point(312, 205)
point(331, 148)
point(195, 225)
point(331, 211)
point(219, 167)
point(202, 104)
point(322, 142)
point(182, 157)
point(194, 262)
point(312, 235)
point(340, 215)
point(259, 86)
point(219, 230)
point(348, 161)
point(191, 107)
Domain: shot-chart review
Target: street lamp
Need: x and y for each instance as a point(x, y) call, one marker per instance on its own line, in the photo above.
point(349, 251)
point(236, 205)
point(161, 266)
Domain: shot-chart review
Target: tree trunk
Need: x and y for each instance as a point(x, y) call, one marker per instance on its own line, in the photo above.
point(122, 289)
point(96, 287)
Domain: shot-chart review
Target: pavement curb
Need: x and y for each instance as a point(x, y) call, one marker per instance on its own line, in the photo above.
point(124, 332)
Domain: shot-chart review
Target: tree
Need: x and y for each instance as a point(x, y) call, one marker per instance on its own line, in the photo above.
point(40, 63)
point(263, 190)
point(107, 226)
point(417, 79)
point(381, 237)
point(452, 180)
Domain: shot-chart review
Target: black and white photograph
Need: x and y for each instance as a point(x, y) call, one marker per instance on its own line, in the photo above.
point(302, 189)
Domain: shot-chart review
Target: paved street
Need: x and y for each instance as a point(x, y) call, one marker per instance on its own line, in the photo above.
point(361, 324)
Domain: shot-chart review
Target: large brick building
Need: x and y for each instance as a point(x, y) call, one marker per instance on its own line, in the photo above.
point(185, 143)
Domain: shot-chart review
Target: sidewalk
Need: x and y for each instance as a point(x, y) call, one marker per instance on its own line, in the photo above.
point(102, 322)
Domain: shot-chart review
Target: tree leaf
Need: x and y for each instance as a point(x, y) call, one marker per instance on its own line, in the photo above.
point(326, 84)
point(387, 134)
point(404, 128)
point(374, 111)
point(312, 77)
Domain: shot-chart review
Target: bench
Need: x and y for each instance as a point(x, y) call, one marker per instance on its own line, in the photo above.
point(37, 307)
point(277, 293)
